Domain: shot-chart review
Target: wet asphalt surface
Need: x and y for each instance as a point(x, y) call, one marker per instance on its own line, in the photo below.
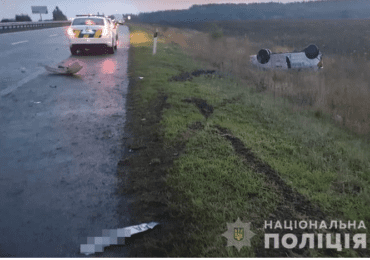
point(60, 141)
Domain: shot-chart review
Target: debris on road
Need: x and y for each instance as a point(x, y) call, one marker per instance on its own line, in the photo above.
point(110, 237)
point(52, 86)
point(62, 69)
point(23, 70)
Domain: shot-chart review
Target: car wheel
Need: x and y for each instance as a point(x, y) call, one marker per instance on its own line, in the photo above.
point(311, 51)
point(111, 49)
point(263, 56)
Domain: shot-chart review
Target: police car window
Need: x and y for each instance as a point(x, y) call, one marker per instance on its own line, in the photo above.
point(88, 21)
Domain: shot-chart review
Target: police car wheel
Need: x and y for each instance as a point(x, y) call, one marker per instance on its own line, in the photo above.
point(263, 56)
point(311, 51)
point(111, 49)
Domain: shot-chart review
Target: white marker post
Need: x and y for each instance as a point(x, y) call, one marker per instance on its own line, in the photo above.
point(155, 41)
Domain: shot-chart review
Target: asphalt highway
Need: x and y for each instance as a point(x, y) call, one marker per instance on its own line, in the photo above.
point(60, 141)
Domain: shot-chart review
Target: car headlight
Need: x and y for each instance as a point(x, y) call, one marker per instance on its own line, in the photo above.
point(70, 33)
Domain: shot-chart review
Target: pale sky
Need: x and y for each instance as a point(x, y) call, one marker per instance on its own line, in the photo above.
point(9, 8)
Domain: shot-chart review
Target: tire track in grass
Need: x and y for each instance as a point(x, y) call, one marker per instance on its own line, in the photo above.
point(294, 206)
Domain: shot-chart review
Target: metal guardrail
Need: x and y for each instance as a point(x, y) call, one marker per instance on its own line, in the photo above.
point(20, 25)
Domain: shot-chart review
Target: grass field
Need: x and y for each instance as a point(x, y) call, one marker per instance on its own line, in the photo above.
point(342, 89)
point(230, 147)
point(343, 37)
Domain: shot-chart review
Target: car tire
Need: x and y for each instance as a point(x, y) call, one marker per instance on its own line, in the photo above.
point(263, 56)
point(111, 49)
point(311, 51)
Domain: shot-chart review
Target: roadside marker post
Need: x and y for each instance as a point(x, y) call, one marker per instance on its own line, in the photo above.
point(155, 41)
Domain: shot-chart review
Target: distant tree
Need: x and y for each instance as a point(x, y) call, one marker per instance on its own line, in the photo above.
point(22, 18)
point(58, 15)
point(6, 20)
point(214, 30)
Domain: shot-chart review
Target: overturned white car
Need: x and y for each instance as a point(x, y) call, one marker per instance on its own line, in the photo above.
point(309, 58)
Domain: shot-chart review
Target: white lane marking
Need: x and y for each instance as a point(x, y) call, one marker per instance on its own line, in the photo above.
point(14, 43)
point(21, 82)
point(53, 35)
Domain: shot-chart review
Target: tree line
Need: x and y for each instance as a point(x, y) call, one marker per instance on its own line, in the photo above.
point(326, 9)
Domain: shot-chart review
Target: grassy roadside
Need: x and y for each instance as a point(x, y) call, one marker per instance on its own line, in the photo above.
point(210, 150)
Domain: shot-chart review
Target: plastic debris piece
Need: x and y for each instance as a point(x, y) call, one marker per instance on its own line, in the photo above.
point(61, 69)
point(141, 77)
point(97, 244)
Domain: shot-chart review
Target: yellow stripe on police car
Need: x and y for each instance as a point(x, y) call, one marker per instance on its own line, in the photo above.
point(98, 33)
point(77, 33)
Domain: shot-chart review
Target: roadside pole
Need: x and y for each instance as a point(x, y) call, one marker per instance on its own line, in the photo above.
point(155, 41)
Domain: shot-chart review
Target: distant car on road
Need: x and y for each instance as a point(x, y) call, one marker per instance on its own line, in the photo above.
point(309, 58)
point(87, 31)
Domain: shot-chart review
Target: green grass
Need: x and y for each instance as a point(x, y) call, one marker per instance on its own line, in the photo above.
point(327, 164)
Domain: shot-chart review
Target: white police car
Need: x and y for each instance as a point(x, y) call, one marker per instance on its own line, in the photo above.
point(309, 58)
point(88, 31)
